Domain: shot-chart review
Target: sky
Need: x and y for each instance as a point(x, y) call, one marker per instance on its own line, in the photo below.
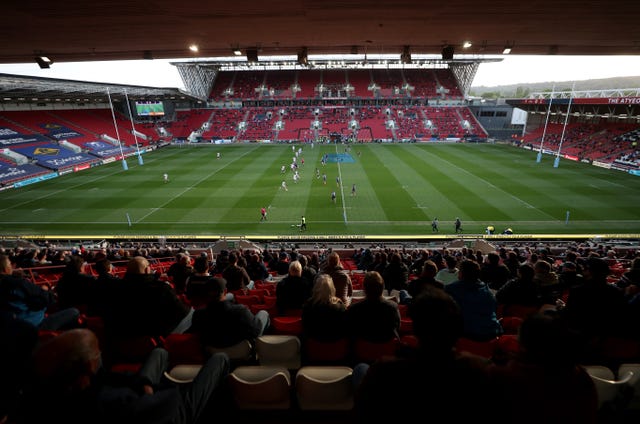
point(514, 69)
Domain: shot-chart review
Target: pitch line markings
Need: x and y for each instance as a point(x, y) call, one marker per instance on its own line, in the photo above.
point(185, 190)
point(53, 193)
point(530, 206)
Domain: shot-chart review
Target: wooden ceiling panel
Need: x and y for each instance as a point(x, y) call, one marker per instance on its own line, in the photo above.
point(80, 30)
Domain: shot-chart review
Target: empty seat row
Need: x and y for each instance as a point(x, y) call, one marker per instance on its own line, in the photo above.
point(270, 387)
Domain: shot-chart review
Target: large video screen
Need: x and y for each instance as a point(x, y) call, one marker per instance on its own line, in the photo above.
point(149, 108)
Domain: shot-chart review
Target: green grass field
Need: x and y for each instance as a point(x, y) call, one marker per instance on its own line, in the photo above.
point(400, 188)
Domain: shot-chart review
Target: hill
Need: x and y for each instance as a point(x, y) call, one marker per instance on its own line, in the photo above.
point(523, 89)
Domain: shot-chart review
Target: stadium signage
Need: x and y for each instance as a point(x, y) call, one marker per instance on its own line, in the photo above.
point(332, 237)
point(7, 132)
point(22, 139)
point(12, 172)
point(64, 135)
point(624, 100)
point(583, 101)
point(35, 179)
point(64, 161)
point(601, 164)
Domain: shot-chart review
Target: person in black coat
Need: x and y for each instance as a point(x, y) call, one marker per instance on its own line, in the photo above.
point(146, 306)
point(68, 384)
point(223, 323)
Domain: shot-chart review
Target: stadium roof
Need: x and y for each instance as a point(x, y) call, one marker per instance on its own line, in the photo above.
point(74, 30)
point(20, 89)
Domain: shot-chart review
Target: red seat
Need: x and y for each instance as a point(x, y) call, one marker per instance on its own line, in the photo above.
point(506, 347)
point(127, 354)
point(406, 326)
point(409, 340)
point(366, 351)
point(618, 350)
point(95, 324)
point(510, 324)
point(513, 310)
point(484, 349)
point(318, 352)
point(247, 300)
point(269, 307)
point(287, 325)
point(260, 293)
point(46, 335)
point(270, 299)
point(184, 348)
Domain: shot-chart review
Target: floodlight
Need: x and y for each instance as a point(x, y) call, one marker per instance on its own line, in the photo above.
point(43, 62)
point(447, 52)
point(252, 55)
point(303, 58)
point(405, 56)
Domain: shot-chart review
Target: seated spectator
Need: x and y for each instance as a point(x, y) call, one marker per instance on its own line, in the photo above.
point(341, 279)
point(596, 308)
point(374, 318)
point(107, 288)
point(293, 290)
point(547, 281)
point(512, 261)
point(196, 290)
point(569, 277)
point(381, 260)
point(70, 386)
point(222, 261)
point(75, 288)
point(521, 290)
point(365, 260)
point(632, 276)
point(323, 314)
point(544, 383)
point(256, 269)
point(24, 300)
point(222, 323)
point(147, 305)
point(280, 263)
point(424, 281)
point(450, 273)
point(451, 384)
point(395, 274)
point(236, 276)
point(308, 271)
point(19, 339)
point(179, 272)
point(477, 302)
point(494, 273)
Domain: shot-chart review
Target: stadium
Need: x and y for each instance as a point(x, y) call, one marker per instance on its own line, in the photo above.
point(312, 129)
point(336, 94)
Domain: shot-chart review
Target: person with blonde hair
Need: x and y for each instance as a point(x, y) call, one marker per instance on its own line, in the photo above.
point(341, 280)
point(323, 314)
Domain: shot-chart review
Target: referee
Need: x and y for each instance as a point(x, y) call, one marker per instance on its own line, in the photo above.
point(303, 223)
